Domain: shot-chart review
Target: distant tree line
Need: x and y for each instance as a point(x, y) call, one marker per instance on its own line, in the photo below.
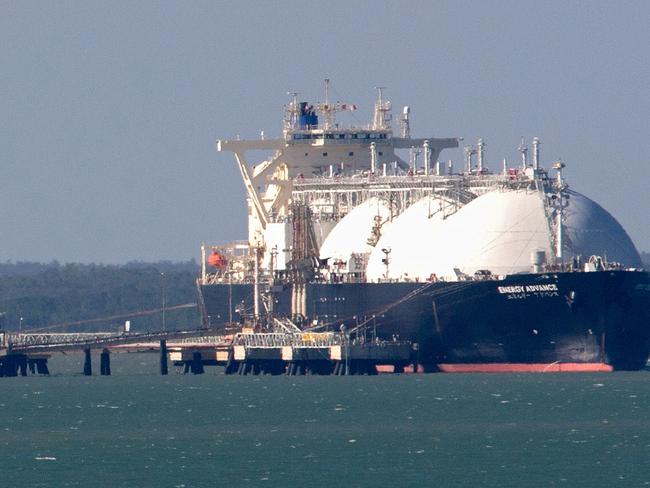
point(36, 295)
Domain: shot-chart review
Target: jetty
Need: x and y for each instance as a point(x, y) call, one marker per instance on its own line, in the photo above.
point(244, 353)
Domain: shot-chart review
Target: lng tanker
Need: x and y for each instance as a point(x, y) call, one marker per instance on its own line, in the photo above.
point(358, 229)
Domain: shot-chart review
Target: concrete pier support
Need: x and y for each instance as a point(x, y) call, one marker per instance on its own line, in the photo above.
point(41, 366)
point(163, 357)
point(197, 363)
point(22, 364)
point(8, 366)
point(88, 367)
point(105, 363)
point(337, 368)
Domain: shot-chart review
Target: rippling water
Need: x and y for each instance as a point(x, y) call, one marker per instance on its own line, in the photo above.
point(138, 429)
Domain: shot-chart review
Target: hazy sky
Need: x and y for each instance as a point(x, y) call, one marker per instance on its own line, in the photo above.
point(109, 110)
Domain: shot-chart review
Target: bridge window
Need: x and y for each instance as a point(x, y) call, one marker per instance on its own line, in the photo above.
point(351, 153)
point(324, 154)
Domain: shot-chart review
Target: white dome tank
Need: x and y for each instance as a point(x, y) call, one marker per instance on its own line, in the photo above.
point(351, 233)
point(405, 238)
point(589, 229)
point(497, 231)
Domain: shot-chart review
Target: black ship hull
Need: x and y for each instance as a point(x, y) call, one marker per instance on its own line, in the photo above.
point(596, 318)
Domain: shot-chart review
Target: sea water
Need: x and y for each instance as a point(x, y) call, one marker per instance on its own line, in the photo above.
point(139, 429)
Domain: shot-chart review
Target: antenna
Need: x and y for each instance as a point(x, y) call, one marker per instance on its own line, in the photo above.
point(292, 113)
point(328, 110)
point(381, 110)
point(327, 91)
point(380, 90)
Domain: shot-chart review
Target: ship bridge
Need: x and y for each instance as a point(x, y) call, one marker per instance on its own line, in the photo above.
point(315, 146)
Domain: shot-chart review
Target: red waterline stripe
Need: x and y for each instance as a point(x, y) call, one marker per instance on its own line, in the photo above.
point(526, 368)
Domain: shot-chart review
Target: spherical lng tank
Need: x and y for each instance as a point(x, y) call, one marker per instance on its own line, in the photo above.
point(590, 230)
point(498, 231)
point(352, 233)
point(406, 239)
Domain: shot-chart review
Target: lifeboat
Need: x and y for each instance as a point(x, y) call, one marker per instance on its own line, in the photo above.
point(216, 260)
